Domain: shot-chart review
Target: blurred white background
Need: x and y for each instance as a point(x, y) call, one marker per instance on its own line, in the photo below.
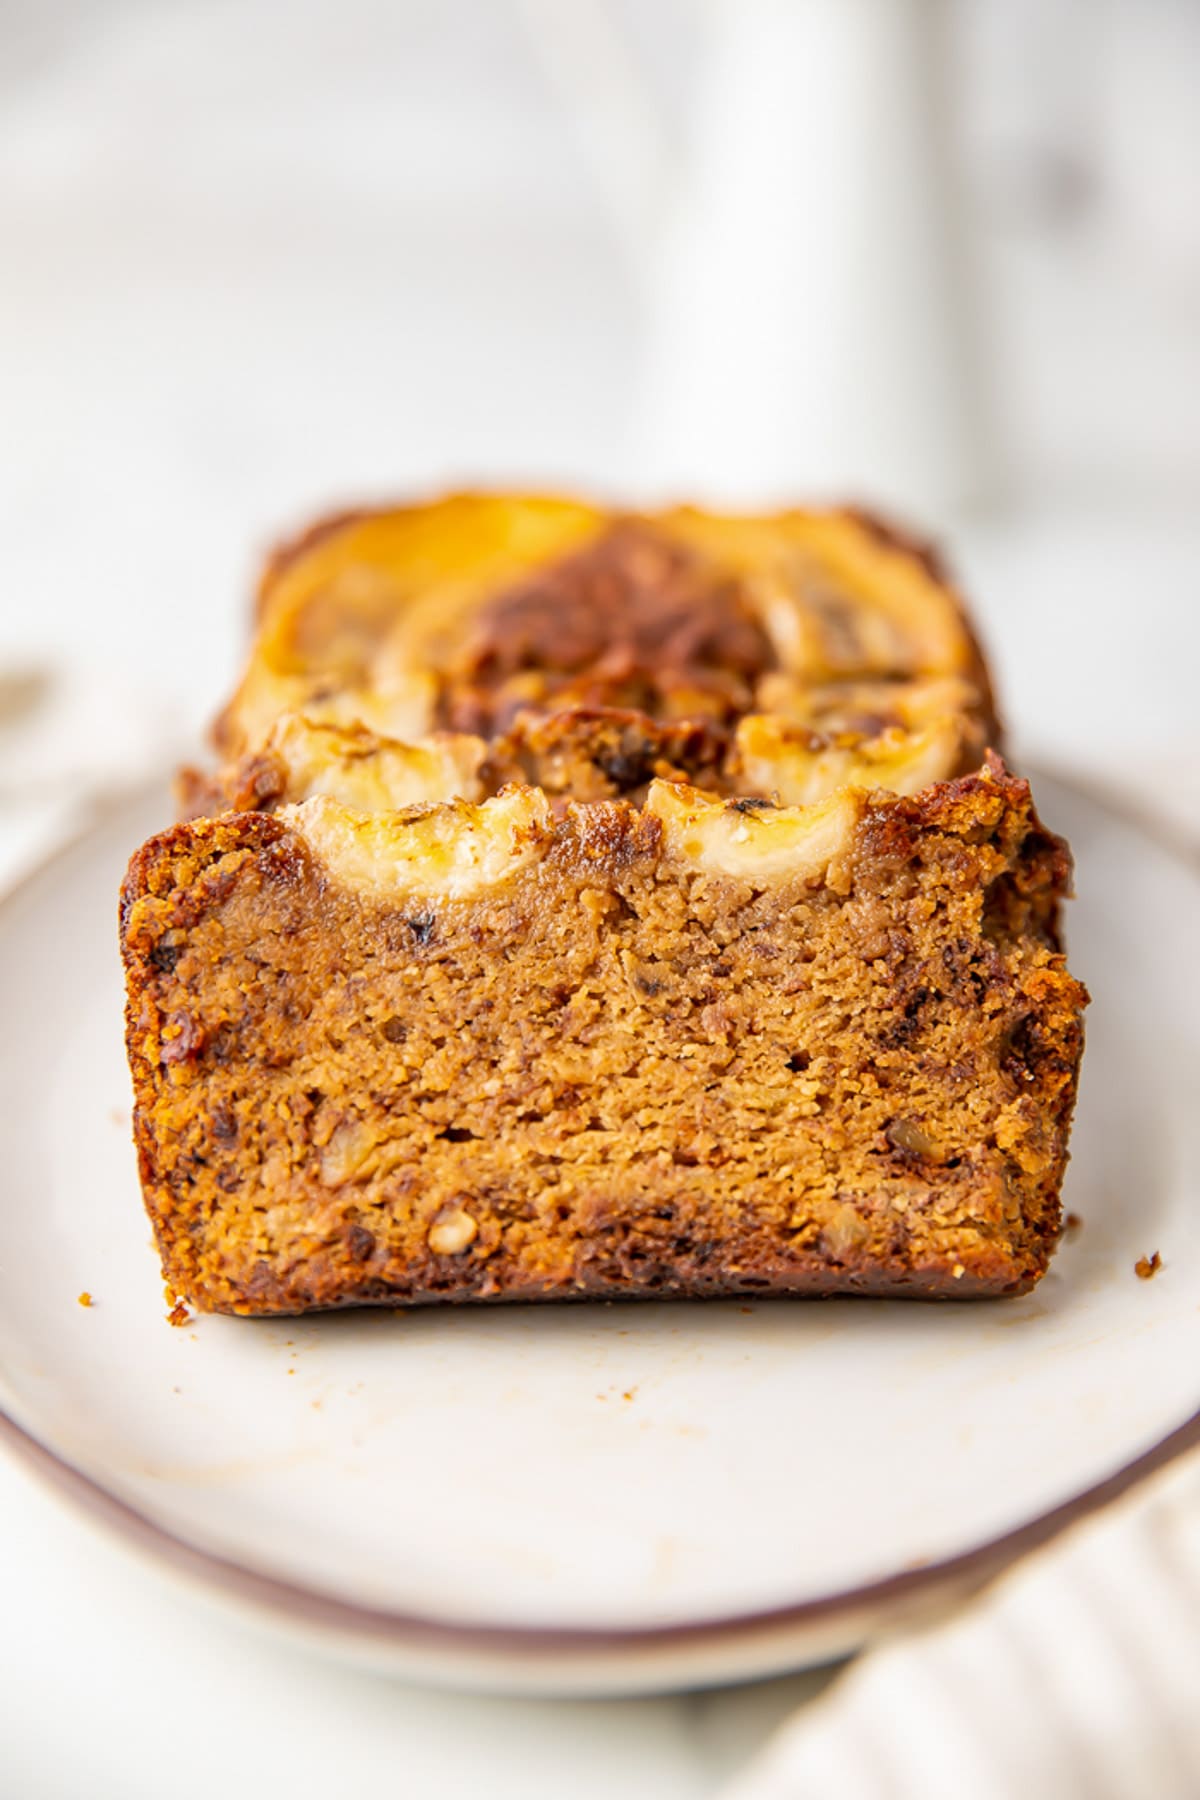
point(260, 258)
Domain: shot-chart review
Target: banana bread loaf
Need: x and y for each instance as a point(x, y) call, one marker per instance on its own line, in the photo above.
point(590, 904)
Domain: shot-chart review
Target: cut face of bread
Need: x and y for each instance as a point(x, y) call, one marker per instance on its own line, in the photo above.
point(598, 905)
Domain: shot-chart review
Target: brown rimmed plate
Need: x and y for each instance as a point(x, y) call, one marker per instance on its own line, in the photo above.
point(612, 1498)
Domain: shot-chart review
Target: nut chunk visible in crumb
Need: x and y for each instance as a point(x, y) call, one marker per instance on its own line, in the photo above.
point(1147, 1267)
point(452, 1232)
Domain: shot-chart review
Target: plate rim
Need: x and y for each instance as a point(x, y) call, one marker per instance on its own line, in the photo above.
point(329, 1613)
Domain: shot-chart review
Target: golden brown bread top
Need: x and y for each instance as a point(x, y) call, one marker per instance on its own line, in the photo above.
point(438, 653)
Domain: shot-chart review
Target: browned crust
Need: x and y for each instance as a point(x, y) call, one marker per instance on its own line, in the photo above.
point(255, 783)
point(631, 621)
point(601, 753)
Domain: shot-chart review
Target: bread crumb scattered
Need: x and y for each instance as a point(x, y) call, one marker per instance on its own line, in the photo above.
point(85, 1299)
point(1071, 1224)
point(179, 1314)
point(1147, 1267)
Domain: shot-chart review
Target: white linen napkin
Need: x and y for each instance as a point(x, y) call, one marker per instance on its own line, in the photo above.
point(1075, 1675)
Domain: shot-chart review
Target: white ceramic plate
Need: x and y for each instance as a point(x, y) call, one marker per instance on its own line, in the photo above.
point(598, 1498)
